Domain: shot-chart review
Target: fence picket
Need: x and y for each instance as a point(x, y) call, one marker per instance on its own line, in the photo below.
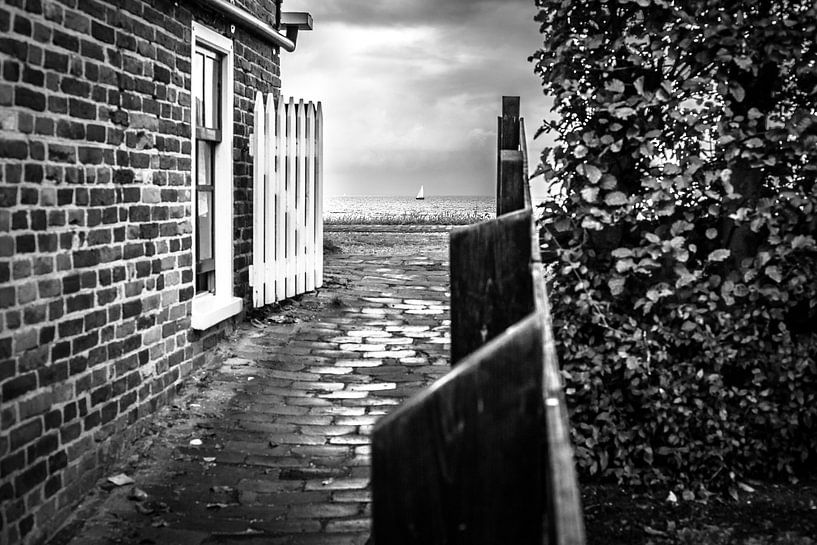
point(280, 198)
point(300, 258)
point(269, 201)
point(319, 195)
point(290, 196)
point(258, 201)
point(309, 170)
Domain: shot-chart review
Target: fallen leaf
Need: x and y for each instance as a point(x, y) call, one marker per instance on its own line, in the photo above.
point(653, 532)
point(745, 487)
point(120, 479)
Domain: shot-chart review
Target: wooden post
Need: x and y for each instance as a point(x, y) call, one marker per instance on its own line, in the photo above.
point(511, 182)
point(508, 172)
point(509, 135)
point(490, 280)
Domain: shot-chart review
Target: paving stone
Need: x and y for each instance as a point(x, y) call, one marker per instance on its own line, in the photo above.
point(324, 510)
point(337, 484)
point(348, 525)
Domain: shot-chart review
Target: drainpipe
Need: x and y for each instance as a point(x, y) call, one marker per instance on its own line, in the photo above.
point(253, 23)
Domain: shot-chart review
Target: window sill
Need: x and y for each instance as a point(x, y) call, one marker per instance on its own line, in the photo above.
point(208, 310)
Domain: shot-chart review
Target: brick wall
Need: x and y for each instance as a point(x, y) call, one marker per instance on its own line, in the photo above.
point(96, 276)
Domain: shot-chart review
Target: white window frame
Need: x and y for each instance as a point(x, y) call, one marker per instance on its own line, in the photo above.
point(212, 308)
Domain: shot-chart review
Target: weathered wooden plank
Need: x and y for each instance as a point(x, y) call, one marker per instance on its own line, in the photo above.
point(490, 280)
point(523, 147)
point(309, 166)
point(280, 198)
point(511, 182)
point(291, 168)
point(563, 496)
point(319, 195)
point(564, 510)
point(460, 463)
point(259, 169)
point(509, 133)
point(300, 200)
point(269, 200)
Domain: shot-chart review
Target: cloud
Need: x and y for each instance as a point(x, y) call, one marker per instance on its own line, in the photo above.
point(391, 13)
point(412, 89)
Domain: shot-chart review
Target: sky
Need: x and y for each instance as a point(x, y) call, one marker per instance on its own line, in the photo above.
point(411, 90)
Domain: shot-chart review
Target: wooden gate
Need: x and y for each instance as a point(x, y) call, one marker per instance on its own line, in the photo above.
point(287, 147)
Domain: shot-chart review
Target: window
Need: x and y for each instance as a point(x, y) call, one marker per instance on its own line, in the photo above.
point(211, 90)
point(207, 96)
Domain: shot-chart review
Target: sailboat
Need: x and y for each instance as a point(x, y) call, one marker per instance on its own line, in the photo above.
point(420, 196)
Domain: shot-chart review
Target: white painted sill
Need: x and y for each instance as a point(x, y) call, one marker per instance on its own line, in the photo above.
point(208, 310)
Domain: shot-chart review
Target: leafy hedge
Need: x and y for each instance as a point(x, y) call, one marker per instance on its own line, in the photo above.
point(683, 236)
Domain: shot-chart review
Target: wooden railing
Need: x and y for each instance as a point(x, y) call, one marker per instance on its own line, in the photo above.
point(287, 199)
point(483, 456)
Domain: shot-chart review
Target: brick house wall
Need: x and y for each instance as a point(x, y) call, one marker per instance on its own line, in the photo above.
point(96, 259)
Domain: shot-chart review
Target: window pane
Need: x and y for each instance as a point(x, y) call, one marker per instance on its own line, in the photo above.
point(204, 163)
point(206, 282)
point(211, 92)
point(198, 87)
point(204, 225)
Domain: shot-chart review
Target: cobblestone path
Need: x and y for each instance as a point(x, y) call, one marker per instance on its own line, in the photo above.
point(273, 446)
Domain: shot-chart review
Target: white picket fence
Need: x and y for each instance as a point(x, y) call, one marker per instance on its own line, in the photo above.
point(287, 199)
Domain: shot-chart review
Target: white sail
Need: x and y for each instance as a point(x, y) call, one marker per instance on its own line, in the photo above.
point(420, 194)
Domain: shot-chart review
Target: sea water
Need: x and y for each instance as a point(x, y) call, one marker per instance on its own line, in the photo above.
point(433, 209)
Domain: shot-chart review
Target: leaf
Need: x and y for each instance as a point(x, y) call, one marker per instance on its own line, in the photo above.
point(623, 112)
point(616, 285)
point(616, 198)
point(738, 92)
point(745, 487)
point(592, 172)
point(563, 225)
point(590, 223)
point(639, 85)
point(718, 255)
point(580, 152)
point(671, 497)
point(590, 194)
point(616, 86)
point(754, 143)
point(619, 253)
point(711, 233)
point(653, 532)
point(774, 273)
point(802, 241)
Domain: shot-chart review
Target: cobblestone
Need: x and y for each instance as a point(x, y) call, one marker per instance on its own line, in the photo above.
point(285, 421)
